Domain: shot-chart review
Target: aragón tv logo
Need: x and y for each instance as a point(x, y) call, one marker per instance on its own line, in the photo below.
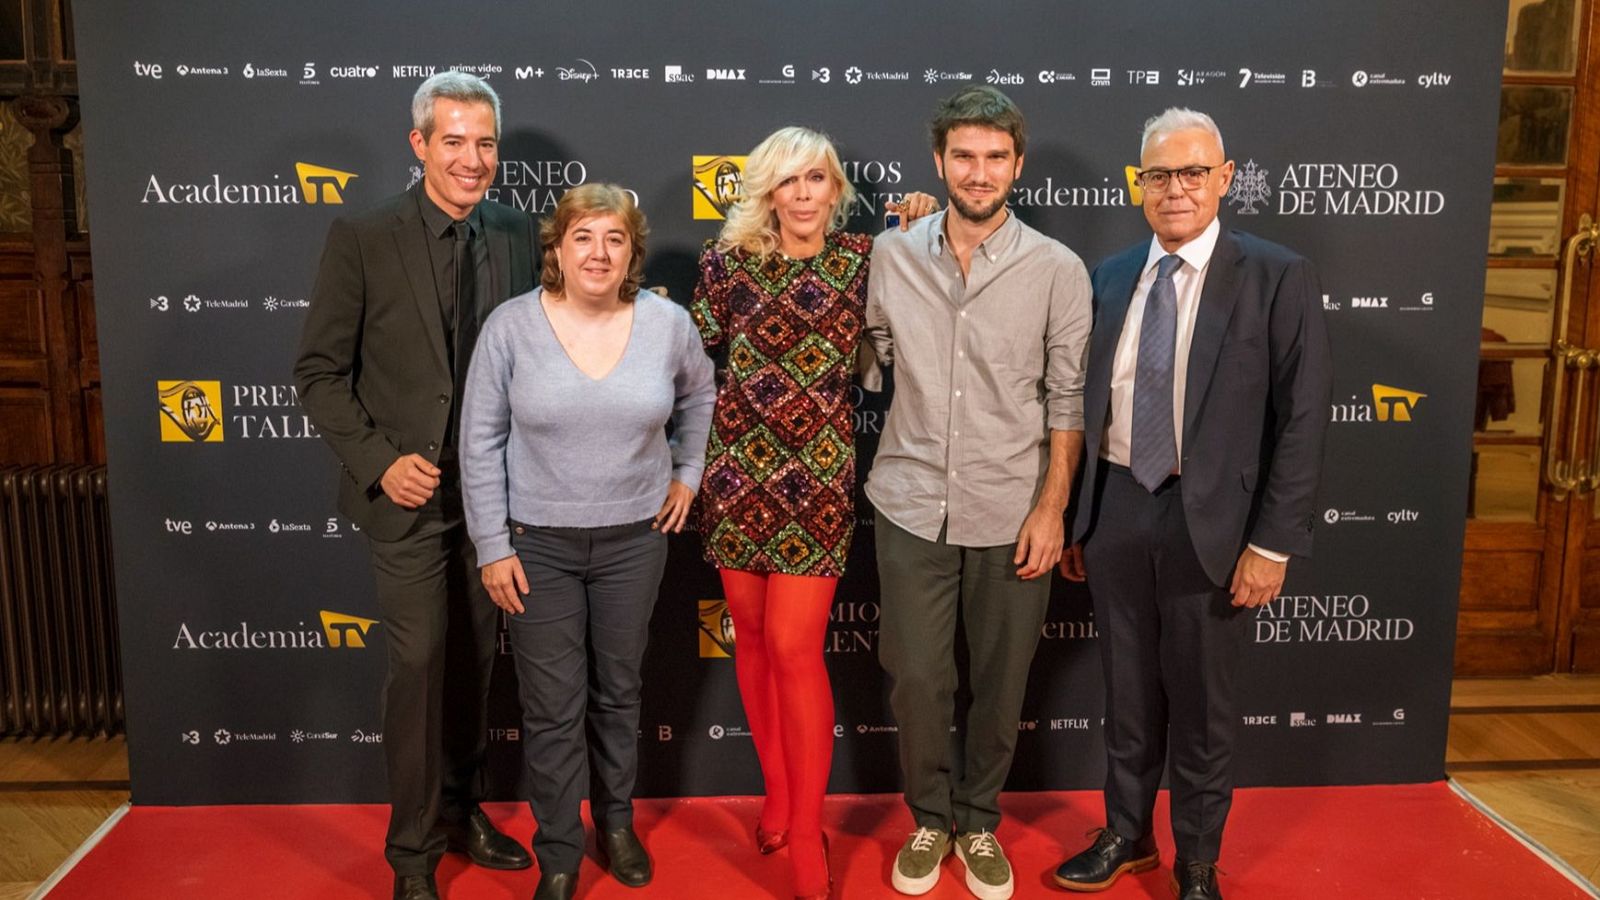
point(311, 185)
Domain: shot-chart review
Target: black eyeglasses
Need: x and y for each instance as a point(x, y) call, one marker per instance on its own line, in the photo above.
point(1189, 177)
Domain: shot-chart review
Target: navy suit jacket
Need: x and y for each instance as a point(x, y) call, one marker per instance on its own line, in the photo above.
point(1255, 404)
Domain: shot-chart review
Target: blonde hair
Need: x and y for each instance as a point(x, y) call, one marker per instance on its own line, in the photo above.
point(752, 226)
point(583, 202)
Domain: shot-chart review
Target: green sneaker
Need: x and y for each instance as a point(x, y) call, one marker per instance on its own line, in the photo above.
point(916, 868)
point(988, 873)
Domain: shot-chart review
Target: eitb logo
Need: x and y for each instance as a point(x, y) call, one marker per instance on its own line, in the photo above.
point(191, 411)
point(718, 181)
point(716, 630)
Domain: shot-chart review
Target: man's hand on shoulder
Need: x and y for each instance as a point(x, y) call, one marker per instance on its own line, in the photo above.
point(410, 481)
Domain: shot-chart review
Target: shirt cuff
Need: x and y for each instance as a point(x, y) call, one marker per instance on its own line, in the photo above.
point(1273, 555)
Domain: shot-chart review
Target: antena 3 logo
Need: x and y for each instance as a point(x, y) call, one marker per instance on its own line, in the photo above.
point(718, 181)
point(313, 184)
point(191, 411)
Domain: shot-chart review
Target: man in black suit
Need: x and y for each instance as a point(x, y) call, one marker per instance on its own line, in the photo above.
point(399, 298)
point(1205, 402)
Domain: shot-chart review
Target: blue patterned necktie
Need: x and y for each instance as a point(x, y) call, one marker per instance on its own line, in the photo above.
point(1154, 446)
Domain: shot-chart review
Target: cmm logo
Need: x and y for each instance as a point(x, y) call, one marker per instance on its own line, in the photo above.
point(718, 181)
point(191, 411)
point(716, 630)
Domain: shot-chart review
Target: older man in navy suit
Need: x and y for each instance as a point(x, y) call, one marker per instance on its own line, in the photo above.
point(1205, 402)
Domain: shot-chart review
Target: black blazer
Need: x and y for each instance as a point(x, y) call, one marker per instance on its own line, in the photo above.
point(1255, 403)
point(373, 371)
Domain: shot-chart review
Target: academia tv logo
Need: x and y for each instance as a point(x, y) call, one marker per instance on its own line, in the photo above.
point(312, 185)
point(718, 181)
point(1390, 404)
point(191, 411)
point(716, 630)
point(339, 631)
point(345, 630)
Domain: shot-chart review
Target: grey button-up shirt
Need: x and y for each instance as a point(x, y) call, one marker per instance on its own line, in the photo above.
point(985, 367)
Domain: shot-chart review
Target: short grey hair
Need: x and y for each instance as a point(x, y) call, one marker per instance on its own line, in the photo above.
point(1179, 118)
point(462, 87)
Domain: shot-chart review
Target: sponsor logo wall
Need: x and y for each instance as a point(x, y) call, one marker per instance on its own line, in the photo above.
point(222, 144)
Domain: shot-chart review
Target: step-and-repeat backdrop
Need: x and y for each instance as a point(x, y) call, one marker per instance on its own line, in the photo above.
point(223, 139)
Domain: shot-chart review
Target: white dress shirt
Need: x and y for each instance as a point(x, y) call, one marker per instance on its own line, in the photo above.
point(1187, 282)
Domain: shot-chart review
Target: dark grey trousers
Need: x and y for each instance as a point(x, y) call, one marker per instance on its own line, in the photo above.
point(1169, 642)
point(955, 779)
point(578, 647)
point(439, 630)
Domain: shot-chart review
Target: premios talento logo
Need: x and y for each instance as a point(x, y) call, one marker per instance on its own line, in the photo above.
point(718, 181)
point(191, 411)
point(716, 630)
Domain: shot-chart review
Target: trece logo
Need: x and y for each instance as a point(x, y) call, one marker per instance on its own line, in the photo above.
point(313, 185)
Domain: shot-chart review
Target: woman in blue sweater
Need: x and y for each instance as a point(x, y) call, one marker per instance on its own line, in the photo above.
point(570, 486)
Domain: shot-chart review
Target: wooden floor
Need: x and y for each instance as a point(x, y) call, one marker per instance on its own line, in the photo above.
point(1528, 748)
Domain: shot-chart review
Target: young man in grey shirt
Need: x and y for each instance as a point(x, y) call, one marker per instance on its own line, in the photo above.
point(986, 322)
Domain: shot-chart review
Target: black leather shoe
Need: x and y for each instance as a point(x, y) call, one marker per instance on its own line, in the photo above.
point(1195, 881)
point(484, 844)
point(415, 887)
point(1104, 862)
point(621, 852)
point(556, 886)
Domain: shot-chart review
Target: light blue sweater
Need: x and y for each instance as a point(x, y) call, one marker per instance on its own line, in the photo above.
point(545, 444)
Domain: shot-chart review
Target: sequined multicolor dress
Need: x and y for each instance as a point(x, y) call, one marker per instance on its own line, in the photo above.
point(778, 494)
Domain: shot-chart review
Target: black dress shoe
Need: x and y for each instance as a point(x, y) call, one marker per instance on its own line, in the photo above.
point(556, 886)
point(1195, 881)
point(621, 852)
point(484, 844)
point(415, 887)
point(1104, 862)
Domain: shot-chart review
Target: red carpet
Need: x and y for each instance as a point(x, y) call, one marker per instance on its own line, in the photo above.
point(1418, 841)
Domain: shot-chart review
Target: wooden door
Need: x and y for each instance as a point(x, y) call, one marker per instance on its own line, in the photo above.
point(1531, 503)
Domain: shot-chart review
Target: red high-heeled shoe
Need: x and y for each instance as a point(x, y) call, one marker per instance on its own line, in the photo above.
point(770, 842)
point(827, 866)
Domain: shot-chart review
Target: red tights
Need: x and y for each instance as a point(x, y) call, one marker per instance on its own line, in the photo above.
point(780, 623)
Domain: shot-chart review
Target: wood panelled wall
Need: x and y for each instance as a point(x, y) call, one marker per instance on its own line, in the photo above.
point(49, 362)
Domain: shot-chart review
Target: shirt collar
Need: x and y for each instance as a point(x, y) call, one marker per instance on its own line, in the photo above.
point(438, 221)
point(1196, 253)
point(994, 246)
